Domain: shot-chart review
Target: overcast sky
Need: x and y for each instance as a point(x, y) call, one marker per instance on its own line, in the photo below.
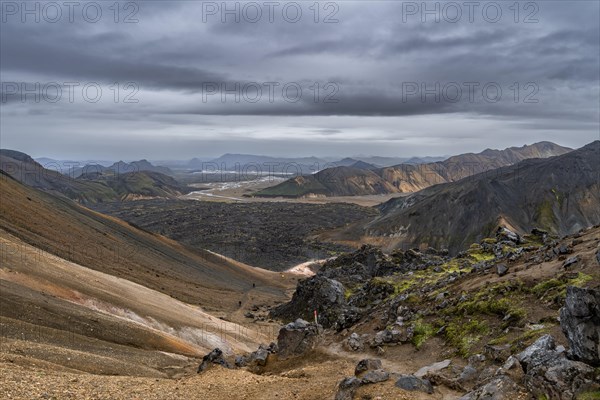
point(343, 78)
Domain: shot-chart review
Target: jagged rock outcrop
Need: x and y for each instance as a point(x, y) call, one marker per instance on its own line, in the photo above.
point(504, 233)
point(344, 290)
point(549, 373)
point(316, 293)
point(542, 370)
point(364, 263)
point(499, 388)
point(214, 357)
point(343, 287)
point(257, 358)
point(580, 322)
point(296, 338)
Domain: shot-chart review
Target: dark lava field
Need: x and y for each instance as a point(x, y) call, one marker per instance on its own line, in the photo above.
point(274, 236)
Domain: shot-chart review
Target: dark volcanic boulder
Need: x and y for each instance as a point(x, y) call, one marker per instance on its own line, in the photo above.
point(296, 338)
point(571, 261)
point(316, 293)
point(257, 358)
point(550, 374)
point(501, 269)
point(214, 357)
point(392, 336)
point(580, 322)
point(412, 384)
point(367, 364)
point(506, 234)
point(347, 388)
point(499, 388)
point(375, 376)
point(355, 342)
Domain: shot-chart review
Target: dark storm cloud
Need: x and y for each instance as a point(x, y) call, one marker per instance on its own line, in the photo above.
point(359, 104)
point(93, 58)
point(370, 55)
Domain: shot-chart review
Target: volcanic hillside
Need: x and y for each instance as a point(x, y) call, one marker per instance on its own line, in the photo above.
point(406, 178)
point(560, 194)
point(77, 285)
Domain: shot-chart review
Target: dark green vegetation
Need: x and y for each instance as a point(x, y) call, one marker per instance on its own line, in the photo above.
point(275, 236)
point(500, 292)
point(120, 182)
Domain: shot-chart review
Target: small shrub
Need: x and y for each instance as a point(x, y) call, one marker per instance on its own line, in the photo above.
point(464, 335)
point(422, 332)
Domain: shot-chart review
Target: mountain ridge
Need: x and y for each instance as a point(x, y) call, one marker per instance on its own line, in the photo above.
point(121, 181)
point(560, 194)
point(405, 178)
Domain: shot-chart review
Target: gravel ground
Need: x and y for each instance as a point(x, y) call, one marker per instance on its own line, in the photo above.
point(311, 380)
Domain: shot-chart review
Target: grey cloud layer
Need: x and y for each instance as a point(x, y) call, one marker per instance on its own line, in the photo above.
point(172, 54)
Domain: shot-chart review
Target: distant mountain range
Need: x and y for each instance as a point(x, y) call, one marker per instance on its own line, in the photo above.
point(299, 165)
point(65, 165)
point(231, 162)
point(407, 177)
point(261, 165)
point(559, 194)
point(118, 168)
point(121, 181)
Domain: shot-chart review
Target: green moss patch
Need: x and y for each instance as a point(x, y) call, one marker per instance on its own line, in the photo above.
point(422, 332)
point(464, 335)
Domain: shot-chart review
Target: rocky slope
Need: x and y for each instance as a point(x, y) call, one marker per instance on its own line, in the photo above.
point(560, 194)
point(409, 177)
point(490, 315)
